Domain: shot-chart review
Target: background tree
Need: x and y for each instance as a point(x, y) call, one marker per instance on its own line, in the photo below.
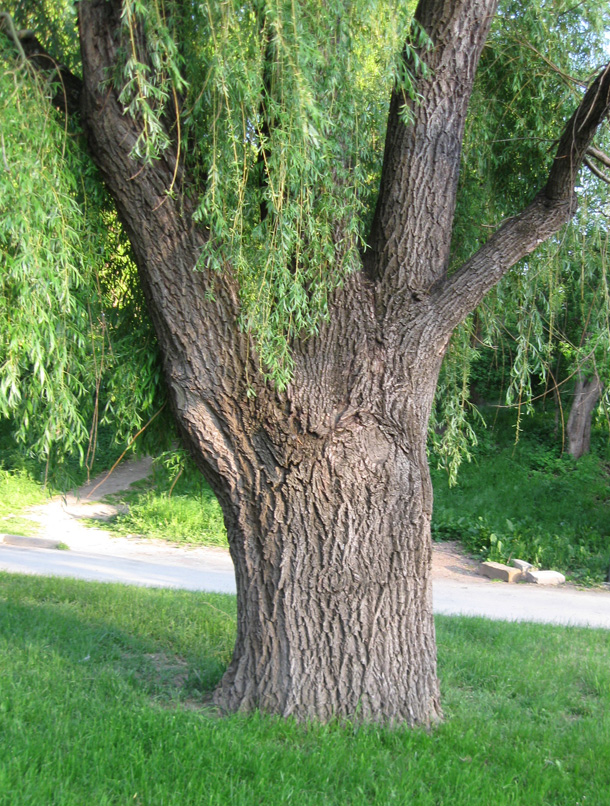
point(303, 309)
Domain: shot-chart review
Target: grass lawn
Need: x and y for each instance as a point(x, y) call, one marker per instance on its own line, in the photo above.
point(17, 492)
point(103, 691)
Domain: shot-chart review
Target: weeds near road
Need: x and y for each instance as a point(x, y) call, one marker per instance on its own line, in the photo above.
point(194, 519)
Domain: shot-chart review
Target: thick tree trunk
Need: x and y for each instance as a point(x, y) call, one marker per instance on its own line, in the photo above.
point(586, 394)
point(332, 557)
point(325, 489)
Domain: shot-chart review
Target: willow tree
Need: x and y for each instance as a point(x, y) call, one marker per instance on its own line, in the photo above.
point(302, 337)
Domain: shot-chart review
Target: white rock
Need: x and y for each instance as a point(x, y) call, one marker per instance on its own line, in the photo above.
point(523, 566)
point(545, 577)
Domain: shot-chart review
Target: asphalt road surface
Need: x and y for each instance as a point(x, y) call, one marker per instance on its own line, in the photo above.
point(214, 572)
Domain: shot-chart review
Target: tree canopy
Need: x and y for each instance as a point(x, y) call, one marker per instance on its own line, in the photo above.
point(280, 125)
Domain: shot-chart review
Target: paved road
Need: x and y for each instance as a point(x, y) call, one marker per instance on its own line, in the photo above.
point(215, 573)
point(523, 603)
point(211, 575)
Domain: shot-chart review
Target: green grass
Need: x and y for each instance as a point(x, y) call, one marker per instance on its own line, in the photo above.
point(192, 516)
point(529, 501)
point(103, 691)
point(17, 492)
point(174, 504)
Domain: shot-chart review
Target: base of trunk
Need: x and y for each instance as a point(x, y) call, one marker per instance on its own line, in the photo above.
point(387, 676)
point(332, 634)
point(332, 563)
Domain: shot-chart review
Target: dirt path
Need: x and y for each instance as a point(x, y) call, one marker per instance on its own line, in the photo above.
point(76, 520)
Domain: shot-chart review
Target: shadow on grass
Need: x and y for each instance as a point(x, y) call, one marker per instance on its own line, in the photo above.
point(92, 630)
point(103, 691)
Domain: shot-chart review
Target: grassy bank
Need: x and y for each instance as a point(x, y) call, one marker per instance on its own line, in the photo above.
point(103, 691)
point(529, 500)
point(190, 517)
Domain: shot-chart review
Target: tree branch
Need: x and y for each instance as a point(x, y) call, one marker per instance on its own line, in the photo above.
point(600, 156)
point(411, 233)
point(459, 294)
point(577, 136)
point(187, 306)
point(594, 170)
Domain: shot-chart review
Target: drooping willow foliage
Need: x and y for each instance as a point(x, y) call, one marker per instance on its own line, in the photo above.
point(279, 108)
point(279, 111)
point(70, 310)
point(283, 111)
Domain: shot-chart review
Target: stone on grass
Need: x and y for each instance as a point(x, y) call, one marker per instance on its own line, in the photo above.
point(545, 577)
point(500, 571)
point(523, 566)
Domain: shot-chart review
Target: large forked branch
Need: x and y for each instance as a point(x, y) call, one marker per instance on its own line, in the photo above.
point(553, 206)
point(195, 313)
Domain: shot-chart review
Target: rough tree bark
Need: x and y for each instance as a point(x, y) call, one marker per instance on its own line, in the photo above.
point(325, 488)
point(587, 392)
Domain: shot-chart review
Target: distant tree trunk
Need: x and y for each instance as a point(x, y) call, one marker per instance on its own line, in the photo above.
point(325, 487)
point(586, 394)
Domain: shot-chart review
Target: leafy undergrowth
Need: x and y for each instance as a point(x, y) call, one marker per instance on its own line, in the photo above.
point(103, 692)
point(531, 502)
